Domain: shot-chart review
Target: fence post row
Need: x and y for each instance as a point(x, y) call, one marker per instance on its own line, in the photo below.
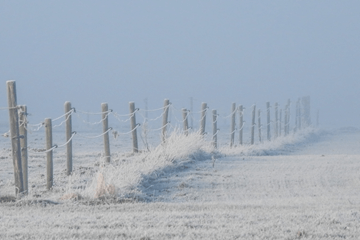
point(203, 118)
point(253, 125)
point(49, 154)
point(15, 136)
point(133, 127)
point(165, 119)
point(105, 113)
point(68, 130)
point(185, 114)
point(232, 133)
point(215, 129)
point(23, 145)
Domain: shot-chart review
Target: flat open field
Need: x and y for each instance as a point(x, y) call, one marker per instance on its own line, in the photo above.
point(309, 189)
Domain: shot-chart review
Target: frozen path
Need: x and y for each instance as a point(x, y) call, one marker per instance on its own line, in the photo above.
point(310, 192)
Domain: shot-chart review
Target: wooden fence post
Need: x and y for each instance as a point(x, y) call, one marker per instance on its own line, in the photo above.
point(185, 114)
point(276, 125)
point(232, 133)
point(133, 127)
point(165, 119)
point(203, 118)
point(268, 121)
point(23, 144)
point(215, 129)
point(68, 130)
point(253, 125)
point(15, 136)
point(241, 124)
point(259, 124)
point(49, 154)
point(105, 114)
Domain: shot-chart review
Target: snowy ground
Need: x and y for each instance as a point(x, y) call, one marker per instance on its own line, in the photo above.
point(306, 187)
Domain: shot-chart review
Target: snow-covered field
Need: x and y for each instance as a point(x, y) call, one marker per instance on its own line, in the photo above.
point(304, 186)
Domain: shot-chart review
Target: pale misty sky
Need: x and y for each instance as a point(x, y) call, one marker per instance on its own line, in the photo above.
point(219, 52)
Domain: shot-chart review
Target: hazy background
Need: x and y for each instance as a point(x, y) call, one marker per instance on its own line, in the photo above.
point(219, 52)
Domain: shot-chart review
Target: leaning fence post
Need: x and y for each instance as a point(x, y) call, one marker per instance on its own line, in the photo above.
point(15, 136)
point(241, 124)
point(133, 127)
point(259, 124)
point(232, 133)
point(203, 118)
point(268, 121)
point(215, 129)
point(253, 125)
point(23, 144)
point(105, 114)
point(165, 119)
point(68, 130)
point(49, 154)
point(185, 114)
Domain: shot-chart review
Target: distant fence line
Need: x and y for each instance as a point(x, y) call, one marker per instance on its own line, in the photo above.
point(19, 128)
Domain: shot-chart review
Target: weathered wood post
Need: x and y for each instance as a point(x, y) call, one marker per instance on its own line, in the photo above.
point(268, 121)
point(23, 144)
point(253, 125)
point(241, 124)
point(133, 127)
point(203, 118)
point(165, 119)
point(259, 124)
point(49, 154)
point(185, 114)
point(15, 136)
point(105, 114)
point(276, 125)
point(68, 130)
point(232, 133)
point(215, 129)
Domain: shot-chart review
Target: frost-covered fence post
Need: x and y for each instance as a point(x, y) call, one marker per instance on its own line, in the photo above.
point(268, 121)
point(133, 127)
point(253, 125)
point(105, 114)
point(23, 144)
point(241, 124)
point(15, 136)
point(49, 154)
point(232, 132)
point(259, 124)
point(215, 129)
point(185, 113)
point(203, 118)
point(165, 119)
point(276, 130)
point(68, 130)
